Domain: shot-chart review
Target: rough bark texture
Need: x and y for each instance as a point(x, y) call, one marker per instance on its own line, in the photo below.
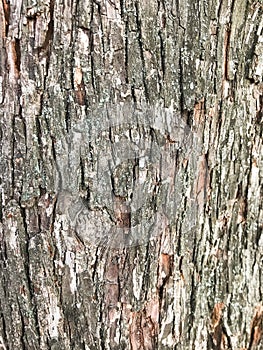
point(197, 288)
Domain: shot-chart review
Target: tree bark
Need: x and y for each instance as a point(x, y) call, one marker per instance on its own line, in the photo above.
point(81, 269)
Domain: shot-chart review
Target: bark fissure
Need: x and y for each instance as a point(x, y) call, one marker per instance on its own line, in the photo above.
point(141, 47)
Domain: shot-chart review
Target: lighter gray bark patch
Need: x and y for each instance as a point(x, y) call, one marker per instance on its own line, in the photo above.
point(123, 174)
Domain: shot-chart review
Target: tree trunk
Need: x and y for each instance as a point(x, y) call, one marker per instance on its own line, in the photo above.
point(131, 174)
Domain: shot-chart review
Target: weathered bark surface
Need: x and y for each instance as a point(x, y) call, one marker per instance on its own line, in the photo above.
point(62, 61)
